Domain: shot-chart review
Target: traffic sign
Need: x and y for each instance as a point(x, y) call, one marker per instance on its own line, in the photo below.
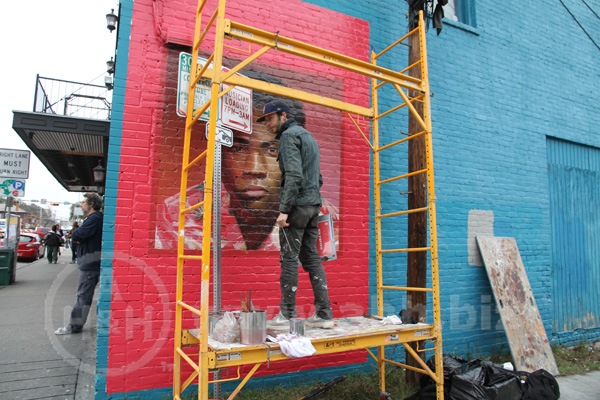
point(202, 93)
point(236, 109)
point(12, 187)
point(14, 163)
point(223, 135)
point(235, 106)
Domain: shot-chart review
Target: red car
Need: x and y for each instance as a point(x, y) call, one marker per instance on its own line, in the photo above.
point(40, 230)
point(30, 246)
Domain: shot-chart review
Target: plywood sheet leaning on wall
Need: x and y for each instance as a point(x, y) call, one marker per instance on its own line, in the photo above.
point(520, 316)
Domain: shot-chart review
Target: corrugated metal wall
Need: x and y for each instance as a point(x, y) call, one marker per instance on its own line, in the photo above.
point(574, 174)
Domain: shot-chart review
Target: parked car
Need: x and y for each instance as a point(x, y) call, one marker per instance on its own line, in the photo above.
point(41, 231)
point(30, 246)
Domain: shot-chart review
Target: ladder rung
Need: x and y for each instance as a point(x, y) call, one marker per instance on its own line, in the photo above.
point(391, 46)
point(184, 257)
point(411, 66)
point(406, 250)
point(192, 208)
point(195, 160)
point(407, 288)
point(189, 308)
point(391, 110)
point(414, 136)
point(186, 358)
point(421, 171)
point(395, 214)
point(207, 26)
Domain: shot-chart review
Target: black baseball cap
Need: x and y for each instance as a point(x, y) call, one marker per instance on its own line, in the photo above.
point(272, 107)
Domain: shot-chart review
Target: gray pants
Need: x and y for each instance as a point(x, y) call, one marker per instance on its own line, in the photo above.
point(52, 253)
point(298, 243)
point(85, 294)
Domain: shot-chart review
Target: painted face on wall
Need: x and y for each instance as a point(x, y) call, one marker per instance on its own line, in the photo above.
point(251, 175)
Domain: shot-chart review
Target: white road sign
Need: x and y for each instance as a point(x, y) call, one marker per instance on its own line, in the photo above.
point(12, 187)
point(223, 135)
point(14, 163)
point(202, 94)
point(236, 109)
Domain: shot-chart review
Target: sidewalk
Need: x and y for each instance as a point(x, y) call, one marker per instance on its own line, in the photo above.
point(37, 364)
point(34, 362)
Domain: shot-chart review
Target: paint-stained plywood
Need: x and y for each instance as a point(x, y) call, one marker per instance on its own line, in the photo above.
point(520, 316)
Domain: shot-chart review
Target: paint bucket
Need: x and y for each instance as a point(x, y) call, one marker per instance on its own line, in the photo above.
point(253, 327)
point(297, 326)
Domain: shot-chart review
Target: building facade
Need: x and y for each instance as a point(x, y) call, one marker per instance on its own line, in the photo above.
point(516, 149)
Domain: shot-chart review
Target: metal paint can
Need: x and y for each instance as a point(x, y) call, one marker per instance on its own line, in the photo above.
point(297, 326)
point(253, 327)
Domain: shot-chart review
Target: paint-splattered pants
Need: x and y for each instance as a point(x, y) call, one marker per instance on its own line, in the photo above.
point(298, 243)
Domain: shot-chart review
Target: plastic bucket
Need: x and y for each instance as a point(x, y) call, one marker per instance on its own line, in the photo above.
point(253, 327)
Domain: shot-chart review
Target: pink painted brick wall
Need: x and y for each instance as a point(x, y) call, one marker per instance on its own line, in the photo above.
point(140, 353)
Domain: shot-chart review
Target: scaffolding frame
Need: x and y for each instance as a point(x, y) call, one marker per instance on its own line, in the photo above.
point(410, 90)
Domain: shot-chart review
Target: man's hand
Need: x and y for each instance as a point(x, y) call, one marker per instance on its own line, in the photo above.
point(282, 220)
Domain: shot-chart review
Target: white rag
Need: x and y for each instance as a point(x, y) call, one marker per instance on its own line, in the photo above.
point(391, 320)
point(294, 346)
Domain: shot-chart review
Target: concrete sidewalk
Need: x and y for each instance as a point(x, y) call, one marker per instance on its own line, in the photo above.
point(34, 362)
point(37, 364)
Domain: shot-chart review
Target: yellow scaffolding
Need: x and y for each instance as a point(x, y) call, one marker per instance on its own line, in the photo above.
point(206, 360)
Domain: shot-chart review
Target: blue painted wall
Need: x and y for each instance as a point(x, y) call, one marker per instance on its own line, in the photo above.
point(524, 73)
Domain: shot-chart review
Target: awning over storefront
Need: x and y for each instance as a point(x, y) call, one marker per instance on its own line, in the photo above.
point(70, 148)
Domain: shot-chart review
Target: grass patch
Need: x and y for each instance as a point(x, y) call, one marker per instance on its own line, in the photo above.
point(576, 360)
point(355, 387)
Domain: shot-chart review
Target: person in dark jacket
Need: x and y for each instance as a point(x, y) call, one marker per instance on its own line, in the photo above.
point(299, 204)
point(52, 242)
point(89, 238)
point(73, 243)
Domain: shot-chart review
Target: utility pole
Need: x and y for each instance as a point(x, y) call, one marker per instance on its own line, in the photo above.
point(416, 302)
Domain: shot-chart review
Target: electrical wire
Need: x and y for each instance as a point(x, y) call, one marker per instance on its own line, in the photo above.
point(581, 26)
point(588, 6)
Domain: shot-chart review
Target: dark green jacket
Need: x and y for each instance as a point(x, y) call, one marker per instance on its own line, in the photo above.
point(300, 169)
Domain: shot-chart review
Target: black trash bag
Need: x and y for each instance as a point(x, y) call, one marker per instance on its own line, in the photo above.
point(451, 365)
point(540, 385)
point(469, 385)
point(502, 383)
point(473, 380)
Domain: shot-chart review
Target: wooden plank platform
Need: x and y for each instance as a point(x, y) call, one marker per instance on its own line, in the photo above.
point(351, 333)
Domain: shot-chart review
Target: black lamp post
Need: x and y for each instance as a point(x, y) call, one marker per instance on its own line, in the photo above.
point(111, 20)
point(99, 176)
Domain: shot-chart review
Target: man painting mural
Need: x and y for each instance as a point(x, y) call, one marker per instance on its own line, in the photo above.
point(301, 180)
point(250, 192)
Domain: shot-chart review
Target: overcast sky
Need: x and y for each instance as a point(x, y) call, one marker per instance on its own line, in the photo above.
point(60, 39)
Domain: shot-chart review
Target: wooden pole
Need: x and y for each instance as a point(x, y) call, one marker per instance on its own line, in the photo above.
point(417, 197)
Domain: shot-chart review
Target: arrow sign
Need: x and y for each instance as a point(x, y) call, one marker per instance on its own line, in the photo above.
point(236, 109)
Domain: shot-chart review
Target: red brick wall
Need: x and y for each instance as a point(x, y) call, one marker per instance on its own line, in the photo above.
point(140, 353)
